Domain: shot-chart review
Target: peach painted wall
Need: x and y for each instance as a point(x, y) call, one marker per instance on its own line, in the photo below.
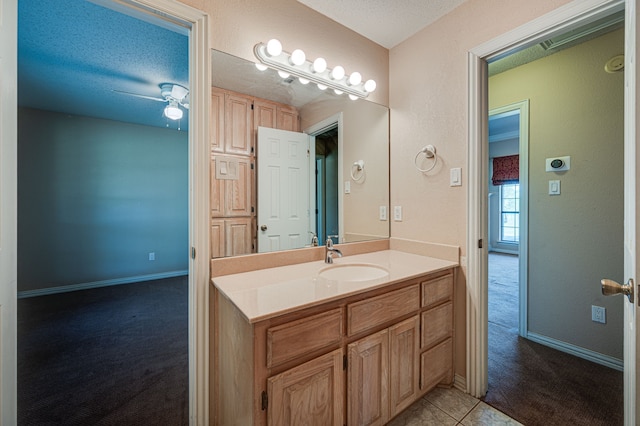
point(428, 101)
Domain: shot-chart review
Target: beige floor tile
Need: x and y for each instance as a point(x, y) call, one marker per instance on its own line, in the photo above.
point(423, 413)
point(452, 401)
point(484, 415)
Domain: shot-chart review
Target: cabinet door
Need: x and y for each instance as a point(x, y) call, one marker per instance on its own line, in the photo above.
point(216, 120)
point(404, 364)
point(238, 124)
point(238, 199)
point(310, 394)
point(264, 114)
point(436, 366)
point(287, 118)
point(217, 238)
point(217, 191)
point(368, 390)
point(238, 236)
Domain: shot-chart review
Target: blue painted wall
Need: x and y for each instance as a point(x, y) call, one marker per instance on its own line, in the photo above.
point(95, 197)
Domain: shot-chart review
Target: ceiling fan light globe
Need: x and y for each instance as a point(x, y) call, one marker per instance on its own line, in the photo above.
point(173, 112)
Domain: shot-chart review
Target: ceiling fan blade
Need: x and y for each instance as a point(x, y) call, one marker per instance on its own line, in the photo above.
point(137, 95)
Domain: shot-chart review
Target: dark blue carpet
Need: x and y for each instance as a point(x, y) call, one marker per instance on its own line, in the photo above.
point(108, 356)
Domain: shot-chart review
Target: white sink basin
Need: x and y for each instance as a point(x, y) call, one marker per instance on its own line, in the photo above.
point(353, 272)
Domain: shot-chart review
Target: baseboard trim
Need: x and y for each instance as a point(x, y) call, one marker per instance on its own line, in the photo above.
point(598, 358)
point(460, 383)
point(96, 284)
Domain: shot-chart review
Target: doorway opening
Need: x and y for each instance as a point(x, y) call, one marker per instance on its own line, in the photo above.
point(193, 173)
point(327, 158)
point(551, 330)
point(327, 185)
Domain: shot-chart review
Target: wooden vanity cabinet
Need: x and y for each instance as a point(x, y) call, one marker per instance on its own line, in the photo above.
point(359, 360)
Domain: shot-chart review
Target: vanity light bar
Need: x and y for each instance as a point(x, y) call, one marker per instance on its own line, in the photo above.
point(314, 72)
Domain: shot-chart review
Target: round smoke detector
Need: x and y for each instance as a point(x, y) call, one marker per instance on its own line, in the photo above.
point(614, 64)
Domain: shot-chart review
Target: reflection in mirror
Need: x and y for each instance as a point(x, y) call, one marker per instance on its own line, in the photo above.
point(259, 201)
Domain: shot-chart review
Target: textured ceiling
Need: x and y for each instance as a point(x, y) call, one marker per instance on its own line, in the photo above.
point(73, 54)
point(386, 22)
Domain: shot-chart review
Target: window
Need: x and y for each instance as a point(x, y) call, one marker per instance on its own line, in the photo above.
point(510, 213)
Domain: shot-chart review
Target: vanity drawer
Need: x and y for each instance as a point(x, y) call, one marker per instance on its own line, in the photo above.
point(291, 340)
point(437, 290)
point(437, 324)
point(436, 365)
point(378, 310)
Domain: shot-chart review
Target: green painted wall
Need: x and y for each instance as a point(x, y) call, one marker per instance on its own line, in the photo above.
point(576, 238)
point(95, 197)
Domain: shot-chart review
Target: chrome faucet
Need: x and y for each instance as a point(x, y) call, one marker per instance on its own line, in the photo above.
point(330, 251)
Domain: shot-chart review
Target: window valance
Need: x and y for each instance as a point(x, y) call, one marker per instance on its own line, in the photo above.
point(506, 169)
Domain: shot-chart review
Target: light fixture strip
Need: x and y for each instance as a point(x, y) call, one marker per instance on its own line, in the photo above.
point(281, 62)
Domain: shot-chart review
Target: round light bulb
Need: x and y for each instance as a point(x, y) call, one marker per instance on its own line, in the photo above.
point(355, 79)
point(322, 87)
point(261, 67)
point(353, 97)
point(303, 80)
point(274, 47)
point(283, 74)
point(338, 92)
point(319, 65)
point(172, 112)
point(297, 57)
point(337, 73)
point(370, 86)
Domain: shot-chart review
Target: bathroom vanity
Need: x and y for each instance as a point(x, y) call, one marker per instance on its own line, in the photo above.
point(352, 343)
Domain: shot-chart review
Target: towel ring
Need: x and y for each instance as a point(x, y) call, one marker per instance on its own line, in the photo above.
point(429, 151)
point(356, 167)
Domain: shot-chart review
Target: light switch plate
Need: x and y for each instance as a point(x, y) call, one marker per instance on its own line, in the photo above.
point(554, 187)
point(455, 176)
point(347, 187)
point(397, 213)
point(227, 169)
point(383, 212)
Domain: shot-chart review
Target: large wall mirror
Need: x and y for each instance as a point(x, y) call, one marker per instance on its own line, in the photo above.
point(321, 169)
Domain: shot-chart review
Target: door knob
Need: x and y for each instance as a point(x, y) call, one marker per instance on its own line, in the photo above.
point(610, 287)
point(263, 228)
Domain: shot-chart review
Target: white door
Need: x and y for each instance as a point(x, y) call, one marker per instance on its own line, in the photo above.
point(630, 213)
point(283, 190)
point(8, 209)
point(630, 217)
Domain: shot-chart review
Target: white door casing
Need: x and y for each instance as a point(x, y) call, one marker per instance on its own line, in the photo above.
point(8, 209)
point(317, 129)
point(283, 189)
point(561, 20)
point(523, 245)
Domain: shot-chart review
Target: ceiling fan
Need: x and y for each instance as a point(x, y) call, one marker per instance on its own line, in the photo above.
point(174, 95)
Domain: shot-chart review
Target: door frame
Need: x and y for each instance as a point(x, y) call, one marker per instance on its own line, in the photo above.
point(197, 23)
point(561, 20)
point(8, 209)
point(199, 157)
point(317, 129)
point(523, 223)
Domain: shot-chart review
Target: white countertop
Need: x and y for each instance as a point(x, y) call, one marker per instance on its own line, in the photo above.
point(266, 293)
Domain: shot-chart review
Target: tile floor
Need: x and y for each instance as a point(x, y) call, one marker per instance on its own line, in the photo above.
point(451, 407)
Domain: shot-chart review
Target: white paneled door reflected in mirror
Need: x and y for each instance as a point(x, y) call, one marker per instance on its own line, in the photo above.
point(252, 199)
